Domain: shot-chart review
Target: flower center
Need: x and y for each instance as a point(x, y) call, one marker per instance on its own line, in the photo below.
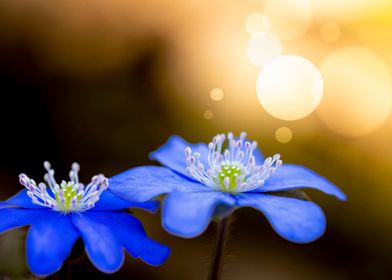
point(232, 169)
point(228, 174)
point(70, 196)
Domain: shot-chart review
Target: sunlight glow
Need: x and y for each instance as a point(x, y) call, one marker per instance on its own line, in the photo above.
point(216, 94)
point(263, 47)
point(358, 91)
point(330, 32)
point(257, 23)
point(289, 19)
point(289, 87)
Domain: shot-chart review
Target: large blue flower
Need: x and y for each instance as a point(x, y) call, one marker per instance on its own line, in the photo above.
point(58, 214)
point(206, 180)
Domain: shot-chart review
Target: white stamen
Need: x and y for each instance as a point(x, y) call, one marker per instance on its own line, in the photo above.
point(69, 196)
point(231, 169)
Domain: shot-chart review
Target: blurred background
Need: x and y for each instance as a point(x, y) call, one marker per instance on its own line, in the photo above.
point(105, 82)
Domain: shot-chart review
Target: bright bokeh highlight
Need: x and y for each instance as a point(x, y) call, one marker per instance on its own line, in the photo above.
point(216, 94)
point(283, 135)
point(330, 32)
point(289, 87)
point(263, 47)
point(358, 89)
point(289, 19)
point(257, 23)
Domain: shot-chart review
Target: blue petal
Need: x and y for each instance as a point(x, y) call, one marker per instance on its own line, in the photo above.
point(108, 201)
point(188, 214)
point(296, 220)
point(4, 204)
point(11, 218)
point(130, 233)
point(101, 245)
point(290, 176)
point(21, 199)
point(49, 242)
point(172, 154)
point(143, 183)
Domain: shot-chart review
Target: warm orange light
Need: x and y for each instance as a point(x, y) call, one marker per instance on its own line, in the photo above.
point(257, 23)
point(289, 18)
point(283, 134)
point(330, 32)
point(216, 94)
point(289, 87)
point(358, 89)
point(263, 47)
point(208, 114)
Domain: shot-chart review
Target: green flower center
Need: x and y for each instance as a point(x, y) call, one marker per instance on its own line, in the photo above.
point(67, 196)
point(228, 176)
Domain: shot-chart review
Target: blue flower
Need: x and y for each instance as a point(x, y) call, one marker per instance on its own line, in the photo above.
point(203, 181)
point(58, 214)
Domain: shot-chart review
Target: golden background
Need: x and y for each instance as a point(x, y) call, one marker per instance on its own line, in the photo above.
point(105, 82)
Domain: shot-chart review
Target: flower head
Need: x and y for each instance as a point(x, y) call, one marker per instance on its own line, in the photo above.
point(70, 196)
point(232, 168)
point(228, 173)
point(59, 214)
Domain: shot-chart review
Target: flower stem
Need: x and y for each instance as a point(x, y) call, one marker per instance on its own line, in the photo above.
point(222, 236)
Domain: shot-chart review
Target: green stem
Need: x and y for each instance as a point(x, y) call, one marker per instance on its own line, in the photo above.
point(218, 259)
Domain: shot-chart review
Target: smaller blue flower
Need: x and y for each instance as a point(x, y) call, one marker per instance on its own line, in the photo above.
point(203, 181)
point(59, 214)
